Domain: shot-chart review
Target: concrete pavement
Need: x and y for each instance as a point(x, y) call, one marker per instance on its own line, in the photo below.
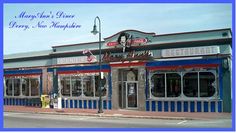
point(121, 113)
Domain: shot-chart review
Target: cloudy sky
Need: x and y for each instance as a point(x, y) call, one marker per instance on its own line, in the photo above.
point(158, 18)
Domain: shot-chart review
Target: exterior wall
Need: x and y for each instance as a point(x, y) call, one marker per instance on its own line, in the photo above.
point(115, 89)
point(141, 88)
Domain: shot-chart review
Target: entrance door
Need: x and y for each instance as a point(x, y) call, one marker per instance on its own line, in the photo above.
point(131, 94)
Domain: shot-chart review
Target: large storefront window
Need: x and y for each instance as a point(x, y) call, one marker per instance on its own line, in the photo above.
point(166, 84)
point(27, 86)
point(192, 84)
point(86, 84)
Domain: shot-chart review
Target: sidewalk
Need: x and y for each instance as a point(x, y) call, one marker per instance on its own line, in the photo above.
point(121, 113)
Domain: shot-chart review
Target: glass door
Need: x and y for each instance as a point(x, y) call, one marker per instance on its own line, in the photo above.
point(132, 94)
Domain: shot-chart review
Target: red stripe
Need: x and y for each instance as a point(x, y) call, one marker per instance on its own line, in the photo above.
point(27, 74)
point(128, 64)
point(179, 67)
point(82, 71)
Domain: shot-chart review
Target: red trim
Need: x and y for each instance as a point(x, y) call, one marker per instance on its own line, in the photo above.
point(83, 71)
point(178, 67)
point(28, 74)
point(128, 64)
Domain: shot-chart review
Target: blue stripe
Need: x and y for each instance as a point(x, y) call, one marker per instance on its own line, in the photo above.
point(104, 104)
point(85, 104)
point(219, 106)
point(153, 105)
point(31, 71)
point(75, 103)
point(10, 101)
point(67, 104)
point(90, 104)
point(199, 106)
point(185, 106)
point(110, 105)
point(147, 106)
point(159, 106)
point(192, 107)
point(80, 104)
point(94, 104)
point(183, 62)
point(205, 106)
point(179, 106)
point(71, 103)
point(4, 101)
point(213, 106)
point(172, 106)
point(16, 100)
point(13, 101)
point(166, 106)
point(7, 101)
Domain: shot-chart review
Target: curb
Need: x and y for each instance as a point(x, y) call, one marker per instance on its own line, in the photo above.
point(110, 115)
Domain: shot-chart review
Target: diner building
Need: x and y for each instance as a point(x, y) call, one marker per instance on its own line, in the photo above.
point(177, 72)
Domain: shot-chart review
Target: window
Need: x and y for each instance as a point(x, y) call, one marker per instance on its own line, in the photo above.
point(34, 87)
point(9, 87)
point(103, 87)
point(25, 86)
point(65, 84)
point(17, 87)
point(190, 84)
point(158, 85)
point(76, 86)
point(166, 84)
point(173, 84)
point(207, 84)
point(88, 86)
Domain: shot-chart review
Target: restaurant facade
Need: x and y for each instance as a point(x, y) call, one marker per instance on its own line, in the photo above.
point(177, 72)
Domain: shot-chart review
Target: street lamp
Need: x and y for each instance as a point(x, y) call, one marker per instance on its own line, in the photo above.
point(95, 31)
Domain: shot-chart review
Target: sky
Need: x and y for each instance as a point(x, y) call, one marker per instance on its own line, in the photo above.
point(160, 18)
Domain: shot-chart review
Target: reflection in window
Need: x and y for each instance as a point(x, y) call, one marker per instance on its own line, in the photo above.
point(34, 87)
point(25, 86)
point(9, 86)
point(173, 84)
point(103, 87)
point(88, 86)
point(76, 86)
point(16, 87)
point(158, 85)
point(190, 84)
point(65, 84)
point(207, 84)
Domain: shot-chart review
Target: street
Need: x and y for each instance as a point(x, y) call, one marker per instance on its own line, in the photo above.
point(33, 120)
